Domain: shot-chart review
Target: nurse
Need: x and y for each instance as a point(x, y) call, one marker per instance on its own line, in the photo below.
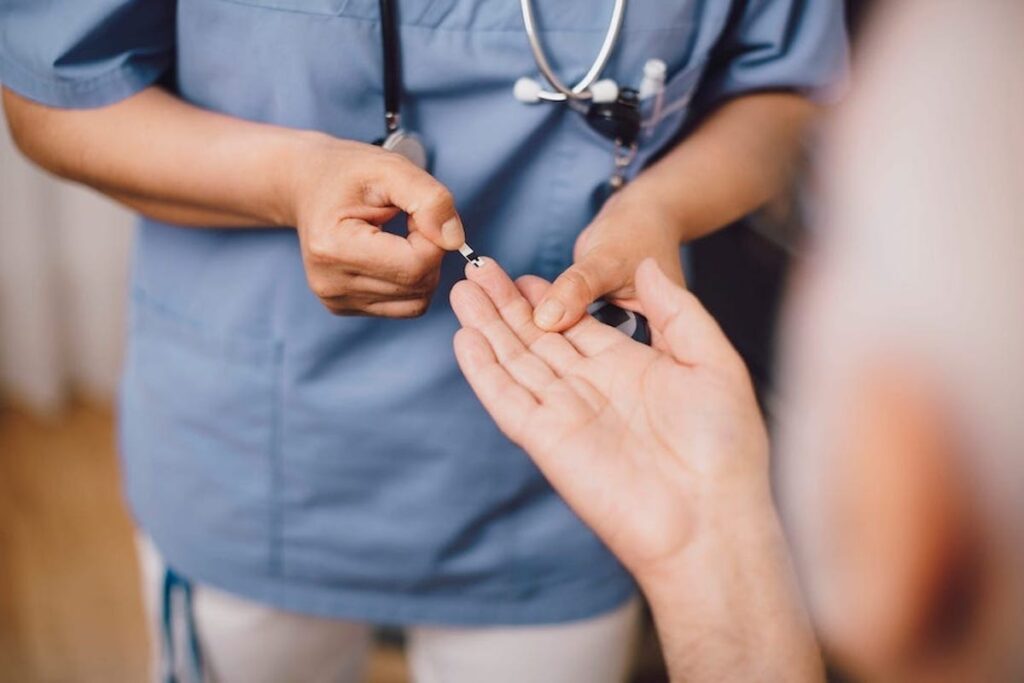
point(298, 475)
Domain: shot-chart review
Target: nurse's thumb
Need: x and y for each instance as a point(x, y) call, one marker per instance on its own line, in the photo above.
point(429, 204)
point(682, 326)
point(566, 301)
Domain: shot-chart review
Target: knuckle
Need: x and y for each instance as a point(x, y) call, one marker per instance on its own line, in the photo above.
point(577, 284)
point(329, 286)
point(418, 307)
point(388, 168)
point(431, 281)
point(396, 160)
point(337, 309)
point(439, 198)
point(319, 249)
point(424, 275)
point(407, 278)
point(323, 288)
point(371, 189)
point(425, 291)
point(386, 161)
point(427, 275)
point(609, 262)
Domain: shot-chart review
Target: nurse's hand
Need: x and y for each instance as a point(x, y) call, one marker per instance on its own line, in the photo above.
point(646, 444)
point(342, 195)
point(629, 229)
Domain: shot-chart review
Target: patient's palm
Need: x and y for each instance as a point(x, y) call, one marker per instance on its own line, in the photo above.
point(631, 436)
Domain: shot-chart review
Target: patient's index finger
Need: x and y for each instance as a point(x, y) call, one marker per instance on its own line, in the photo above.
point(517, 313)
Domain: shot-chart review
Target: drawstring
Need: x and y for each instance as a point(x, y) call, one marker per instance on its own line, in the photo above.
point(175, 583)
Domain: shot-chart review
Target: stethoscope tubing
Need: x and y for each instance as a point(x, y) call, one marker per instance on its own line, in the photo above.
point(580, 91)
point(392, 65)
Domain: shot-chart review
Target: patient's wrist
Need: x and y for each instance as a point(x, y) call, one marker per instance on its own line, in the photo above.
point(729, 600)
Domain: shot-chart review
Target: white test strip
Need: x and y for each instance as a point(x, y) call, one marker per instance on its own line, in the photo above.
point(470, 255)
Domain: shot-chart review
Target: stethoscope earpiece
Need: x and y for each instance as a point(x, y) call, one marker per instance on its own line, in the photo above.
point(604, 90)
point(527, 90)
point(584, 89)
point(612, 111)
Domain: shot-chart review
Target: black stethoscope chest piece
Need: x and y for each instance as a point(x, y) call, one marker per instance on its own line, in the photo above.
point(618, 120)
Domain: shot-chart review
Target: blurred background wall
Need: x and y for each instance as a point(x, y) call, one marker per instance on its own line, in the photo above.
point(63, 272)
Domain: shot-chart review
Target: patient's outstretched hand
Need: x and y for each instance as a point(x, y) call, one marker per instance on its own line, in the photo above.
point(639, 441)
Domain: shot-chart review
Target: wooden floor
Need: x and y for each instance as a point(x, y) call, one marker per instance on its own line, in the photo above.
point(70, 608)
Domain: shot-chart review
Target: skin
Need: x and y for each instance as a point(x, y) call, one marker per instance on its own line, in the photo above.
point(912, 582)
point(742, 156)
point(675, 458)
point(663, 453)
point(203, 169)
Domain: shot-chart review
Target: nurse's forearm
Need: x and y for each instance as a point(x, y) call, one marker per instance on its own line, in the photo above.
point(164, 157)
point(182, 214)
point(741, 157)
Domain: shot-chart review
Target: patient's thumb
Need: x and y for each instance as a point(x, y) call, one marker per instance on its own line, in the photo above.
point(683, 327)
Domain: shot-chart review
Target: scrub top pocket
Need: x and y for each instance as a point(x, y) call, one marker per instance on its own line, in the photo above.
point(661, 118)
point(325, 7)
point(663, 115)
point(199, 416)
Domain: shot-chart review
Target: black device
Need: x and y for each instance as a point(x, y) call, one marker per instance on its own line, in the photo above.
point(619, 121)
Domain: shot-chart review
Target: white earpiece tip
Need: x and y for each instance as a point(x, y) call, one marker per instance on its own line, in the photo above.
point(527, 90)
point(655, 69)
point(605, 90)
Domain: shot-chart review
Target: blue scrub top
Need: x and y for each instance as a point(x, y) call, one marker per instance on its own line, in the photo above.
point(342, 466)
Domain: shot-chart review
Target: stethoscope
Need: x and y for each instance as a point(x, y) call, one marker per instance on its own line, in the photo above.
point(612, 111)
point(396, 139)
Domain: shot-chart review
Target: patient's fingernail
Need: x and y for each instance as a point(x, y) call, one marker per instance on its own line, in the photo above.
point(549, 313)
point(452, 233)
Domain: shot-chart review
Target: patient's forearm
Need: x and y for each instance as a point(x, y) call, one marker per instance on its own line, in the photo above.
point(165, 157)
point(728, 609)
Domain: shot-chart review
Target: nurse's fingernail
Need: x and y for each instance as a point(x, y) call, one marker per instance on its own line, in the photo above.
point(452, 233)
point(549, 313)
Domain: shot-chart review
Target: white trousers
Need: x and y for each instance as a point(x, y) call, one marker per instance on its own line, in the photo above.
point(238, 640)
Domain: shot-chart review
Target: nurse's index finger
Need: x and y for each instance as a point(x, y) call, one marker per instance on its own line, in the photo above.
point(388, 257)
point(429, 204)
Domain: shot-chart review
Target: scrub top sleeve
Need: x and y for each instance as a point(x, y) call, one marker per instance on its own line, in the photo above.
point(84, 53)
point(770, 45)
